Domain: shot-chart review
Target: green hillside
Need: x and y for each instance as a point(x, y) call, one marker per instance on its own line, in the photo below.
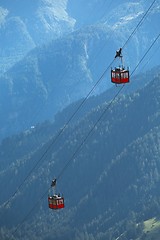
point(110, 179)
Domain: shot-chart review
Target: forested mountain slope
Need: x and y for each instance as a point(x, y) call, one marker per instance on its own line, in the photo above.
point(61, 58)
point(111, 185)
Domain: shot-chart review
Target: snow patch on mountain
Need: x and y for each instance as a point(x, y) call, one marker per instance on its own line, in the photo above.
point(118, 16)
point(131, 16)
point(51, 12)
point(126, 19)
point(3, 14)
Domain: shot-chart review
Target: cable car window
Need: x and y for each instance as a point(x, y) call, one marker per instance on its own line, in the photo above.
point(117, 75)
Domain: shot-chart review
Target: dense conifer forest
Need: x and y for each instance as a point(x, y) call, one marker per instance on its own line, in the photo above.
point(111, 186)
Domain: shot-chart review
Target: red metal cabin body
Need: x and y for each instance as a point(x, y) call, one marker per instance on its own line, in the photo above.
point(55, 202)
point(119, 75)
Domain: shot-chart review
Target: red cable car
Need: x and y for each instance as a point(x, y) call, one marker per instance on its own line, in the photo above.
point(55, 201)
point(119, 75)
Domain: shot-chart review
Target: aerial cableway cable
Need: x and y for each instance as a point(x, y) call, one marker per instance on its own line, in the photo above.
point(147, 52)
point(106, 109)
point(86, 137)
point(74, 113)
point(57, 136)
point(37, 110)
point(156, 51)
point(139, 23)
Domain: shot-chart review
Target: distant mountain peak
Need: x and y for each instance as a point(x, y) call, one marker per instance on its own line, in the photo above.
point(52, 12)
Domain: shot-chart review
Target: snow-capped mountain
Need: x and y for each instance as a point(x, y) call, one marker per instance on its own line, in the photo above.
point(27, 24)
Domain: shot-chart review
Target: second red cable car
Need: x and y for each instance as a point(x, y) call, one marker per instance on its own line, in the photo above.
point(119, 75)
point(55, 201)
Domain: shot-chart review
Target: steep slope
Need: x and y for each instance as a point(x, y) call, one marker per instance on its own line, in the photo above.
point(113, 180)
point(51, 77)
point(15, 42)
point(54, 76)
point(27, 24)
point(44, 19)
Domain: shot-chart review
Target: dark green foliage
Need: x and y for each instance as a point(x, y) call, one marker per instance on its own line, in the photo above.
point(110, 186)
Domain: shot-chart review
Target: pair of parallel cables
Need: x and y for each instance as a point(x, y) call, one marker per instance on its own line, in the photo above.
point(72, 116)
